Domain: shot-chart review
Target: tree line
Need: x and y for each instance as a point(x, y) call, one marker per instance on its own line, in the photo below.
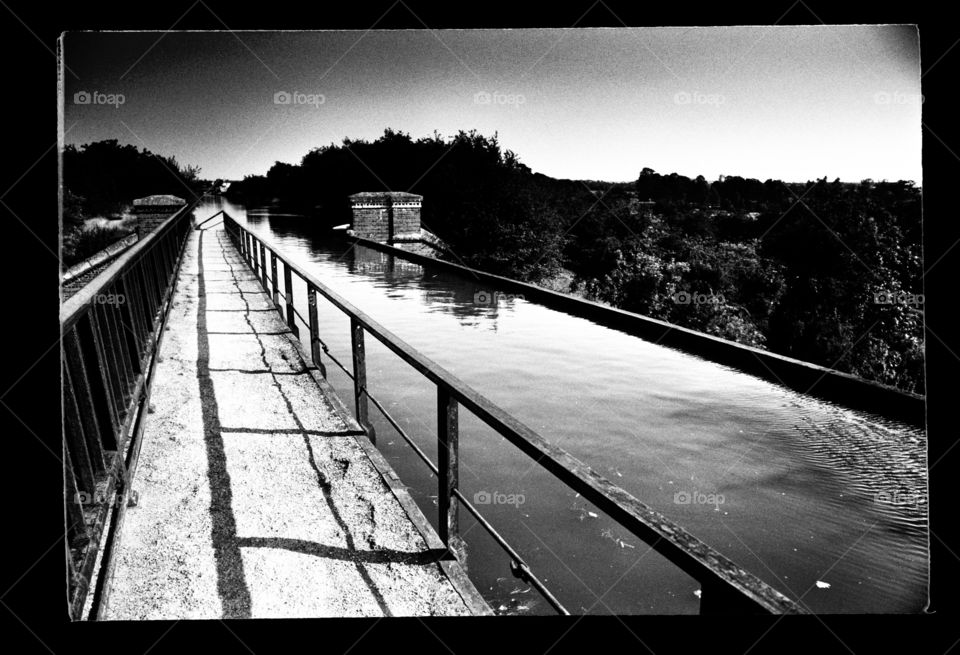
point(101, 180)
point(828, 272)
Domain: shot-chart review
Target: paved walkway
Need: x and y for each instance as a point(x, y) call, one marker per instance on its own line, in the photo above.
point(257, 497)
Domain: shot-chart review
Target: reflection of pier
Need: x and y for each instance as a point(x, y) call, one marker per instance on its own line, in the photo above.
point(374, 262)
point(471, 306)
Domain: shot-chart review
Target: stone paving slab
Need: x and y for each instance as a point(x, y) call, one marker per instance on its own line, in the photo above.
point(239, 322)
point(254, 352)
point(274, 400)
point(243, 275)
point(232, 286)
point(239, 302)
point(257, 496)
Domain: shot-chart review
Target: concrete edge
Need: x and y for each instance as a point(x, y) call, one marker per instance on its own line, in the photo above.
point(327, 389)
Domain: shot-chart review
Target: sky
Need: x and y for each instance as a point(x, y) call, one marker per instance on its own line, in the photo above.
point(788, 102)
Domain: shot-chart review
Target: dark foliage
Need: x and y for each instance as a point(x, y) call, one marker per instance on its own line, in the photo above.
point(104, 177)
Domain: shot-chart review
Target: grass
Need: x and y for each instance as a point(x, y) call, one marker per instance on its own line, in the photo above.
point(81, 242)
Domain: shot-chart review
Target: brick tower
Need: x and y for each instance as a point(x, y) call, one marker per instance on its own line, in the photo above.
point(386, 216)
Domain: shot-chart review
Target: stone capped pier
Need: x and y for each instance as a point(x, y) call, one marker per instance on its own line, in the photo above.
point(258, 495)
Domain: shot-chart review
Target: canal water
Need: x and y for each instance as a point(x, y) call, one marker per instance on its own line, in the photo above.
point(825, 504)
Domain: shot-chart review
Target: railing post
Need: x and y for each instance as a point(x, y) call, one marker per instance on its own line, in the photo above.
point(360, 377)
point(110, 376)
point(273, 279)
point(76, 525)
point(288, 292)
point(263, 267)
point(80, 393)
point(448, 463)
point(314, 329)
point(86, 467)
point(88, 345)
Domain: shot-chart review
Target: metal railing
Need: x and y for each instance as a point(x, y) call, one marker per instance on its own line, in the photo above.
point(110, 332)
point(725, 587)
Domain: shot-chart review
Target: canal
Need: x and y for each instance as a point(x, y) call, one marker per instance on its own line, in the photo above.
point(825, 504)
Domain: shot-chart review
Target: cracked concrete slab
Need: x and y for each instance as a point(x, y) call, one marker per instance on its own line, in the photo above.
point(276, 397)
point(239, 302)
point(254, 352)
point(231, 286)
point(256, 497)
point(243, 275)
point(242, 323)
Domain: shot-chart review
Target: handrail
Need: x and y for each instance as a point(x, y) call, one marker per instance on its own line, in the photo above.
point(726, 587)
point(110, 333)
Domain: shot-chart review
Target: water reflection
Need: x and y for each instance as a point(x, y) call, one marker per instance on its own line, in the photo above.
point(375, 263)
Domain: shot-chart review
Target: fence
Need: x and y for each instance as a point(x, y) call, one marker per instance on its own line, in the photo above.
point(110, 334)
